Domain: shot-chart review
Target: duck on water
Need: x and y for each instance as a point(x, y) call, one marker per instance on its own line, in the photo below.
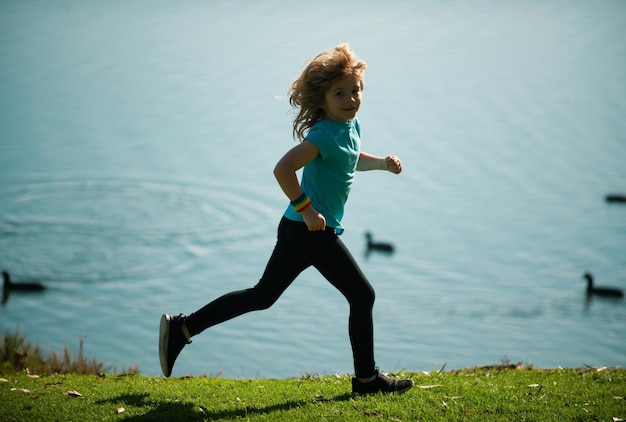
point(377, 246)
point(601, 291)
point(616, 197)
point(22, 285)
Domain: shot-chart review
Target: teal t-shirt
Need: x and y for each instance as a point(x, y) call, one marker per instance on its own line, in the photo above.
point(328, 178)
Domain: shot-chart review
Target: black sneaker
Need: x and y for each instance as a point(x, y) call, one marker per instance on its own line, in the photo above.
point(171, 341)
point(382, 384)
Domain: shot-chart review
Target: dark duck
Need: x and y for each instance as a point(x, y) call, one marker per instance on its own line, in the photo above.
point(601, 291)
point(616, 197)
point(21, 285)
point(377, 246)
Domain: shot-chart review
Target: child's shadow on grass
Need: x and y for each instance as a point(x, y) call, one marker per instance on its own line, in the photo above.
point(185, 411)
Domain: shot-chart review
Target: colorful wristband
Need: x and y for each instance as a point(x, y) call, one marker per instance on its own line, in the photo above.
point(300, 203)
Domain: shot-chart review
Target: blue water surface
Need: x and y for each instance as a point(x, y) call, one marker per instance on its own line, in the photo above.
point(137, 145)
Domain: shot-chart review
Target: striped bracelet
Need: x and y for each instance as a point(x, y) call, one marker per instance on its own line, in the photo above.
point(301, 202)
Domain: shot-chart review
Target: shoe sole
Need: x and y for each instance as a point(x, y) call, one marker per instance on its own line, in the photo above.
point(164, 336)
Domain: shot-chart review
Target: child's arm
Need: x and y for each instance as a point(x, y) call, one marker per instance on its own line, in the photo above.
point(371, 162)
point(285, 173)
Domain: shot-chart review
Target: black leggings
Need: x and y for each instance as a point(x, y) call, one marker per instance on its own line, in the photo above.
point(296, 249)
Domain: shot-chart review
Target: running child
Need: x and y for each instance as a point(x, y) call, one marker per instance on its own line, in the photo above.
point(327, 95)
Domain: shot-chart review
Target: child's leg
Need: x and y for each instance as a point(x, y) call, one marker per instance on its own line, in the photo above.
point(336, 263)
point(338, 266)
point(282, 268)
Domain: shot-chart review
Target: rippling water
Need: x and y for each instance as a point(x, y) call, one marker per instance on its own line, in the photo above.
point(136, 157)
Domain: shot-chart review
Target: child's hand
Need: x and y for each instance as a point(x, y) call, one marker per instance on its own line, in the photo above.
point(393, 164)
point(313, 219)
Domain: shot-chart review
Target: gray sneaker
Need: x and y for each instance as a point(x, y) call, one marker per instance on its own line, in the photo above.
point(171, 341)
point(382, 384)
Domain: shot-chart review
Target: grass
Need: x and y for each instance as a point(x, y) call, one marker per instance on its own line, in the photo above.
point(496, 393)
point(17, 354)
point(473, 395)
point(480, 394)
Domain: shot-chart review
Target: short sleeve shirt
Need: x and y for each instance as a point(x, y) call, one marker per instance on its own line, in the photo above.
point(328, 178)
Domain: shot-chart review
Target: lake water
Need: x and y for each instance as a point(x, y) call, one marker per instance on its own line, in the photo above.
point(137, 145)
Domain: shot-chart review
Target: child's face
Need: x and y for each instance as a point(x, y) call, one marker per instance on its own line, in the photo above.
point(343, 99)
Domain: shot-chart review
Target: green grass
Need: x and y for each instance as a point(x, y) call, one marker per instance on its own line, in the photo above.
point(49, 387)
point(18, 354)
point(472, 395)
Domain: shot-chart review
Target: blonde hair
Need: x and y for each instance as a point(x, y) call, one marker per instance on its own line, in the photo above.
point(308, 91)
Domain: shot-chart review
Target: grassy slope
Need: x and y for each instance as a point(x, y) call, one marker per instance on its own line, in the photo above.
point(473, 394)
